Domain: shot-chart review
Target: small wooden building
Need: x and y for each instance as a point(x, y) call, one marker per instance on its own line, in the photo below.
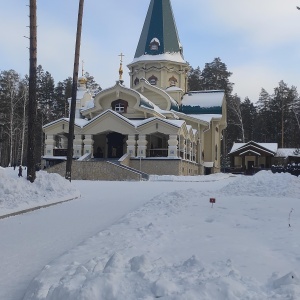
point(250, 156)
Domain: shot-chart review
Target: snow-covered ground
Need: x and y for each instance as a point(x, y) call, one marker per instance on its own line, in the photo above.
point(174, 245)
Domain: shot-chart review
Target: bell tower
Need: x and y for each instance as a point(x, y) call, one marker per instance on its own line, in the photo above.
point(159, 54)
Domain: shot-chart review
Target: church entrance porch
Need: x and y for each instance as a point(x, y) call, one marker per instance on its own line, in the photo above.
point(108, 145)
point(115, 145)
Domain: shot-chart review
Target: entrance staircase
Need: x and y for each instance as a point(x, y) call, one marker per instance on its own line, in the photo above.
point(99, 169)
point(116, 162)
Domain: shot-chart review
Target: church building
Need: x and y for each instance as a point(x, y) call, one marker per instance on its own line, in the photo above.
point(155, 125)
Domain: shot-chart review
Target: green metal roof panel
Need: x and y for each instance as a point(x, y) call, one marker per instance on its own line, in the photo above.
point(194, 110)
point(159, 25)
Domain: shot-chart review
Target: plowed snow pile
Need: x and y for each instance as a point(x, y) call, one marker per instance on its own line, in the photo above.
point(18, 193)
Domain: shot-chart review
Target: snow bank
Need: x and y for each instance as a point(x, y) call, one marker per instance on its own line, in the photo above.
point(200, 178)
point(177, 247)
point(263, 184)
point(18, 193)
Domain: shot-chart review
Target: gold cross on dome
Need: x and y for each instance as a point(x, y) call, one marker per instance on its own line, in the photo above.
point(121, 59)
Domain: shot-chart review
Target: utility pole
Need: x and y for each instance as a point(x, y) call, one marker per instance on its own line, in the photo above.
point(32, 94)
point(74, 93)
point(282, 126)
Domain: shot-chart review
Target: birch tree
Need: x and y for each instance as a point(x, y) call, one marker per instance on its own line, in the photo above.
point(10, 96)
point(234, 106)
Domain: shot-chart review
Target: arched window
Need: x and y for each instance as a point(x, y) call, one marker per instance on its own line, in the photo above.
point(136, 81)
point(119, 106)
point(153, 80)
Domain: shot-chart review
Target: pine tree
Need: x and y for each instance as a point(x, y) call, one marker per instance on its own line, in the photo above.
point(194, 79)
point(264, 123)
point(281, 114)
point(216, 77)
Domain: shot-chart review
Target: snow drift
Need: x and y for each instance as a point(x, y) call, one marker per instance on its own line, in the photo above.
point(18, 193)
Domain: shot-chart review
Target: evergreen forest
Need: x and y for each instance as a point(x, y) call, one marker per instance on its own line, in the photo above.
point(272, 118)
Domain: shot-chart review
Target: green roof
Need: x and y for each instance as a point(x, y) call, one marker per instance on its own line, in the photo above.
point(197, 109)
point(160, 27)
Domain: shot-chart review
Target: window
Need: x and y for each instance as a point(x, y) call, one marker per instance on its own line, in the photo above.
point(216, 152)
point(136, 81)
point(153, 80)
point(154, 44)
point(119, 107)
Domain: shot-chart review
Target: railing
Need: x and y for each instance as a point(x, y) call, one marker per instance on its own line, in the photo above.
point(159, 152)
point(85, 157)
point(60, 152)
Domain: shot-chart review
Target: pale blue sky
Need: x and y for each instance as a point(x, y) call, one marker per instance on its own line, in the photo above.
point(259, 40)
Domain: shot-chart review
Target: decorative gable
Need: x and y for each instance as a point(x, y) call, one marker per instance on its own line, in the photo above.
point(154, 44)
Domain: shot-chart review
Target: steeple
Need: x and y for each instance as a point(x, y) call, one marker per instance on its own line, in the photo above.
point(159, 58)
point(159, 34)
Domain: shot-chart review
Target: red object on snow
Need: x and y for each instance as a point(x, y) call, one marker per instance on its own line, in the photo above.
point(212, 200)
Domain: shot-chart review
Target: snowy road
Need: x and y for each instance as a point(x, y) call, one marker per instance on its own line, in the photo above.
point(30, 241)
